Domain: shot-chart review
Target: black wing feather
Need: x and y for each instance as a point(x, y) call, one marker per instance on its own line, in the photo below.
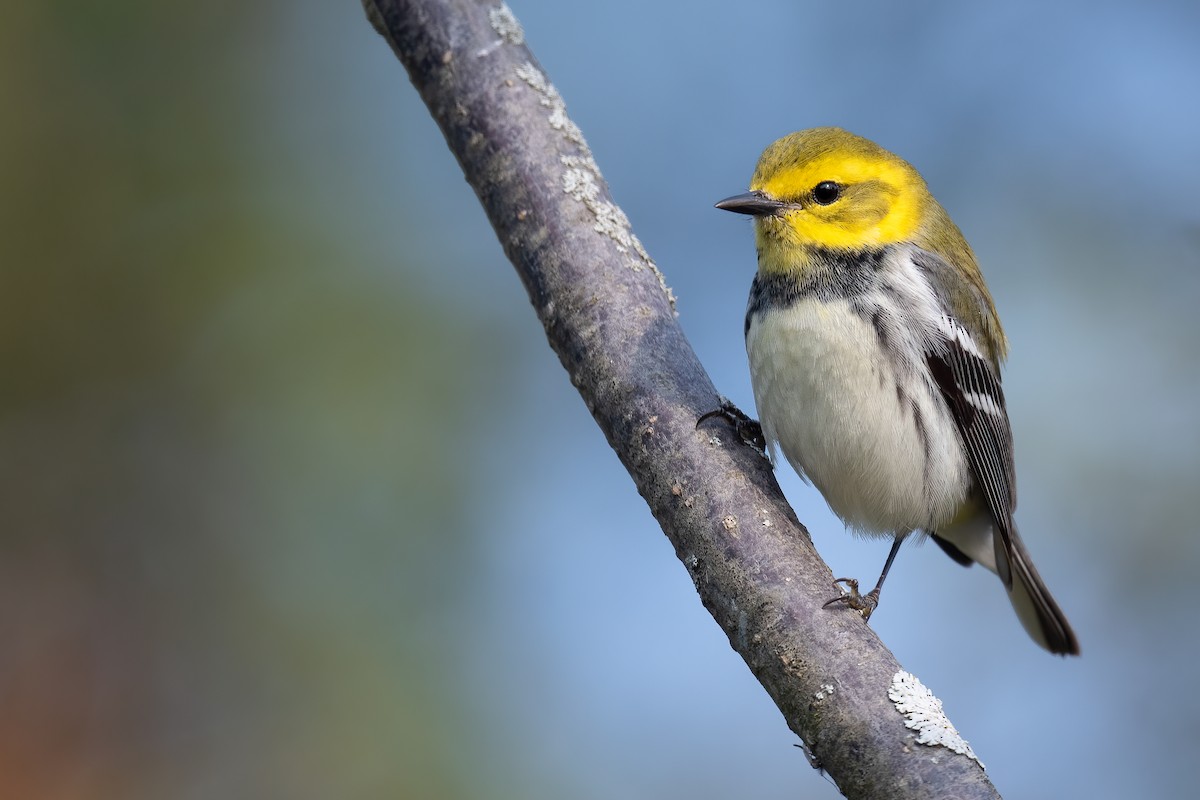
point(971, 388)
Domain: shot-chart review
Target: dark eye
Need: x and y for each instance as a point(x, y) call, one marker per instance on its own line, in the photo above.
point(826, 192)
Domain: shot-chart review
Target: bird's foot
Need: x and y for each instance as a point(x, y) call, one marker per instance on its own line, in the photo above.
point(748, 430)
point(864, 604)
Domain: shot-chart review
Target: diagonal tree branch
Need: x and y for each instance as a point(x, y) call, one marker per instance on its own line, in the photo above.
point(610, 318)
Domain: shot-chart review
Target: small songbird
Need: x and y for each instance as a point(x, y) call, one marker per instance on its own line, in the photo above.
point(875, 355)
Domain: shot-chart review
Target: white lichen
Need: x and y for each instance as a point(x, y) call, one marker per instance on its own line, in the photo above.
point(581, 177)
point(581, 181)
point(549, 97)
point(923, 714)
point(825, 691)
point(506, 24)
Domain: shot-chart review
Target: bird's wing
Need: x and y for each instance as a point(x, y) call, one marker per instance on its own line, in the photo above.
point(963, 363)
point(970, 385)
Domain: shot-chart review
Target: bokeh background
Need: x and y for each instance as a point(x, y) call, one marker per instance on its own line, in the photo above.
point(295, 501)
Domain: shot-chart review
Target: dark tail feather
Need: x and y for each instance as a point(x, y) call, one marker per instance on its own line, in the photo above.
point(1038, 612)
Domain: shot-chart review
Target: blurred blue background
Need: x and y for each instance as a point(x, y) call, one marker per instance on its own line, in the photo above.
point(297, 503)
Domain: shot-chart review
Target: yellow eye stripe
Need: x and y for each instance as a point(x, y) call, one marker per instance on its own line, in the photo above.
point(882, 201)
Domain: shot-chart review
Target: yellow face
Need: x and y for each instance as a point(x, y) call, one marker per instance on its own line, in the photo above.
point(841, 191)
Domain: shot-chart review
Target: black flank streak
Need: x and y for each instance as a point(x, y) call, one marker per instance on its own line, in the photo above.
point(889, 289)
point(879, 323)
point(923, 435)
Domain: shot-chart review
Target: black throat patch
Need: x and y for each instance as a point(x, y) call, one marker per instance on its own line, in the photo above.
point(834, 274)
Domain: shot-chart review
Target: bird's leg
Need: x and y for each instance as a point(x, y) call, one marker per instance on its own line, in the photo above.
point(866, 604)
point(748, 430)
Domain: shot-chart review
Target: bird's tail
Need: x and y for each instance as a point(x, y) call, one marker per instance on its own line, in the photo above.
point(976, 539)
point(1036, 609)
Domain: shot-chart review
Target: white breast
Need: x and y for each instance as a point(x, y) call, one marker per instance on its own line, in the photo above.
point(886, 460)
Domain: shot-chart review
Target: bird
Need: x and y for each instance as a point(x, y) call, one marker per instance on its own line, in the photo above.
point(875, 351)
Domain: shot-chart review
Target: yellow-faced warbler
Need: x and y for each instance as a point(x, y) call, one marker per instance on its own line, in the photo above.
point(875, 355)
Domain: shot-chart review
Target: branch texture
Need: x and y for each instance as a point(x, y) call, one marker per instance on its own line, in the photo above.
point(610, 318)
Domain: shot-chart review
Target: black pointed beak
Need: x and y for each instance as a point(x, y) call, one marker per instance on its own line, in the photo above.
point(756, 204)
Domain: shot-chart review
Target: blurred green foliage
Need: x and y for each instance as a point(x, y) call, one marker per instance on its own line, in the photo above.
point(217, 495)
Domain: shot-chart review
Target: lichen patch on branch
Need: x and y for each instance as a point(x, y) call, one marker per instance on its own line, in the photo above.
point(505, 23)
point(581, 177)
point(551, 99)
point(580, 181)
point(923, 714)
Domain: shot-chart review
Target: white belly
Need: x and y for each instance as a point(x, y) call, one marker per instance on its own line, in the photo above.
point(828, 397)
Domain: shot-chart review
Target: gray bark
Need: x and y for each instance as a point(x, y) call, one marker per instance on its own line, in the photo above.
point(609, 317)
